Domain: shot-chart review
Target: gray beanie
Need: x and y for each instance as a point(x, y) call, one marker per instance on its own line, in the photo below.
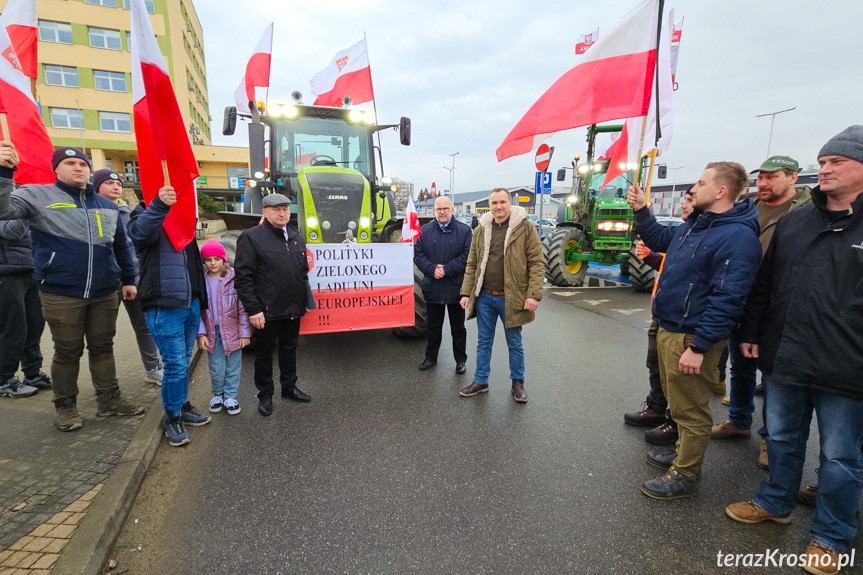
point(848, 143)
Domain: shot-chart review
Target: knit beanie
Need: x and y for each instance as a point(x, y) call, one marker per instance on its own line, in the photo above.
point(848, 143)
point(213, 249)
point(61, 154)
point(101, 176)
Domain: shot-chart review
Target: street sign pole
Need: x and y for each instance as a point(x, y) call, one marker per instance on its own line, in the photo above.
point(543, 159)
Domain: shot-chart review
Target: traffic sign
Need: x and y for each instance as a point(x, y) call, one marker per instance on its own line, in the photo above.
point(543, 183)
point(543, 157)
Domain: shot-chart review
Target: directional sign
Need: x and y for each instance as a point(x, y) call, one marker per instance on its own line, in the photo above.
point(545, 179)
point(543, 157)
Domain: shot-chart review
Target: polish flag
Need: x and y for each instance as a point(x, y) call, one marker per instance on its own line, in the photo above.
point(675, 47)
point(411, 226)
point(613, 80)
point(257, 71)
point(585, 41)
point(160, 132)
point(19, 19)
point(21, 113)
point(348, 74)
point(602, 150)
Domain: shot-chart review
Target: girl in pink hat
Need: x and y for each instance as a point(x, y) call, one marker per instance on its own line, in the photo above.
point(224, 329)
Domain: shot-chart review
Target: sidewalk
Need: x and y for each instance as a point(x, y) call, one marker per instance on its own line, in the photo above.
point(64, 496)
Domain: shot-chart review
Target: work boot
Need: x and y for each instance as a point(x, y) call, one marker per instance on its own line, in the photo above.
point(665, 434)
point(820, 559)
point(647, 417)
point(719, 388)
point(111, 403)
point(661, 460)
point(14, 388)
point(750, 512)
point(726, 401)
point(40, 381)
point(66, 417)
point(762, 456)
point(518, 392)
point(474, 389)
point(175, 431)
point(672, 485)
point(726, 430)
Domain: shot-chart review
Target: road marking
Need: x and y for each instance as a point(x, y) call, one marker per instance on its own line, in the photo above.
point(596, 301)
point(628, 311)
point(566, 293)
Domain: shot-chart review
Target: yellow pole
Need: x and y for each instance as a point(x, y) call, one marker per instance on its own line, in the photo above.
point(4, 125)
point(652, 154)
point(165, 172)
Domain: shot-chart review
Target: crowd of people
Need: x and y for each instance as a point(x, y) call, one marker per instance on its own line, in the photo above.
point(773, 283)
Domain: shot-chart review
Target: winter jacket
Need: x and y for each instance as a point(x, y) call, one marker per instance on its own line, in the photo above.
point(79, 248)
point(16, 248)
point(169, 278)
point(234, 323)
point(125, 216)
point(450, 247)
point(271, 272)
point(710, 262)
point(801, 198)
point(523, 266)
point(805, 310)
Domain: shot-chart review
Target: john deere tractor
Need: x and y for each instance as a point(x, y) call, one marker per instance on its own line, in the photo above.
point(595, 225)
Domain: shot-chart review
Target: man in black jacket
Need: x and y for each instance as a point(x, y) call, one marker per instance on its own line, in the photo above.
point(804, 322)
point(441, 255)
point(271, 274)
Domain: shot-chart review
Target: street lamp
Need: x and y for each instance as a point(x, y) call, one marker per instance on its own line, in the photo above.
point(674, 178)
point(452, 180)
point(772, 120)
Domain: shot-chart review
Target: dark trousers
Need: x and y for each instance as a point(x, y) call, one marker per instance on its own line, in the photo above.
point(21, 326)
point(285, 332)
point(456, 327)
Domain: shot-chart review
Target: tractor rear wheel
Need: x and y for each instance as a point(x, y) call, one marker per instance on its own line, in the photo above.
point(229, 240)
point(554, 248)
point(641, 276)
point(420, 311)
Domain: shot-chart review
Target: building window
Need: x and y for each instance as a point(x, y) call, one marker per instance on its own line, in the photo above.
point(61, 76)
point(131, 171)
point(109, 165)
point(108, 3)
point(114, 122)
point(55, 32)
point(109, 81)
point(129, 43)
point(148, 3)
point(67, 118)
point(108, 39)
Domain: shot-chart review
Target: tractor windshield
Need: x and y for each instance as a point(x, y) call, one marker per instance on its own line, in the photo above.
point(616, 188)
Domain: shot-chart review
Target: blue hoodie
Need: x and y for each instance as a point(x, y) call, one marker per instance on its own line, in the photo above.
point(710, 264)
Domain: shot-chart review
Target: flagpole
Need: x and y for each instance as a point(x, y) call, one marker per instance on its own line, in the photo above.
point(165, 172)
point(4, 125)
point(656, 82)
point(270, 69)
point(374, 105)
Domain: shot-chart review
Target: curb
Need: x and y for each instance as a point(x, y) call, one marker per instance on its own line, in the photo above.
point(88, 550)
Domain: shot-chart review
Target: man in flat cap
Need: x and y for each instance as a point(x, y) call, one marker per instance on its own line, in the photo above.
point(271, 274)
point(80, 261)
point(804, 322)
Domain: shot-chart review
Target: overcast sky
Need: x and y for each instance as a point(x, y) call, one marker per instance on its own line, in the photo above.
point(466, 71)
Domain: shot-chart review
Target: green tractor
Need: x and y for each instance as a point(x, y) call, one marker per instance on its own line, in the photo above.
point(323, 159)
point(595, 225)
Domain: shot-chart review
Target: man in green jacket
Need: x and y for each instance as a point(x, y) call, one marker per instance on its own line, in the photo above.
point(504, 277)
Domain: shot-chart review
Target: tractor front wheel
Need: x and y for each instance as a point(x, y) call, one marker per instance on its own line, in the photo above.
point(555, 247)
point(641, 276)
point(421, 318)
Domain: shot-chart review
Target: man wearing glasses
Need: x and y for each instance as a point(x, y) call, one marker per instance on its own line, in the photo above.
point(441, 255)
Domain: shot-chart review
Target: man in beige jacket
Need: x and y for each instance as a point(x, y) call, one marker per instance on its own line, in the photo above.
point(504, 277)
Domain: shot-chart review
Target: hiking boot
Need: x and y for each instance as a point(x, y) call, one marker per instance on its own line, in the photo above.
point(41, 381)
point(662, 460)
point(14, 388)
point(820, 559)
point(727, 430)
point(672, 485)
point(518, 392)
point(751, 512)
point(719, 388)
point(175, 431)
point(647, 417)
point(726, 401)
point(112, 404)
point(808, 495)
point(193, 417)
point(66, 417)
point(474, 389)
point(665, 434)
point(762, 456)
point(155, 376)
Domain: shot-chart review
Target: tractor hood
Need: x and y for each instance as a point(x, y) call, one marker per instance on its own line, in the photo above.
point(332, 202)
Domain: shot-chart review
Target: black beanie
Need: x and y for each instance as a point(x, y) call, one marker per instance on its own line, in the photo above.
point(61, 154)
point(101, 175)
point(848, 143)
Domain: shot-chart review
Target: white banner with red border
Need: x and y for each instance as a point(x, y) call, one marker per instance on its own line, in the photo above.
point(359, 287)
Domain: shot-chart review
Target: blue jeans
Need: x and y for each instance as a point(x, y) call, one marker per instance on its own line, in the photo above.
point(840, 426)
point(488, 308)
point(174, 331)
point(744, 374)
point(224, 370)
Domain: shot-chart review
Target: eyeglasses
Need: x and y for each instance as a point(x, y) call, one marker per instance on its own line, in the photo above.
point(442, 209)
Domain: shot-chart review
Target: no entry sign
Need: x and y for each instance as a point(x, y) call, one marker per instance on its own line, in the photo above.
point(543, 157)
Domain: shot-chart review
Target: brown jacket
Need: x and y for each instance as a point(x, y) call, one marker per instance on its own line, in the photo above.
point(523, 266)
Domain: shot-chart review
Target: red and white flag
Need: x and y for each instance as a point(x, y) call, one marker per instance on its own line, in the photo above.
point(612, 80)
point(411, 226)
point(160, 132)
point(348, 74)
point(26, 129)
point(19, 19)
point(257, 71)
point(601, 152)
point(676, 34)
point(585, 41)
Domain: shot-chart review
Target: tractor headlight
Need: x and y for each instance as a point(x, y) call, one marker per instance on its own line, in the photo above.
point(313, 236)
point(352, 225)
point(356, 115)
point(621, 226)
point(605, 226)
point(369, 117)
point(259, 175)
point(251, 183)
point(364, 222)
point(290, 111)
point(364, 236)
point(326, 225)
point(571, 199)
point(584, 168)
point(274, 110)
point(312, 222)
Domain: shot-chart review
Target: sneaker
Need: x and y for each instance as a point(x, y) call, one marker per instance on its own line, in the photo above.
point(232, 405)
point(14, 388)
point(41, 381)
point(518, 392)
point(647, 417)
point(216, 404)
point(820, 559)
point(727, 430)
point(719, 388)
point(111, 403)
point(751, 512)
point(661, 460)
point(474, 389)
point(665, 434)
point(176, 432)
point(66, 417)
point(155, 376)
point(726, 401)
point(193, 417)
point(762, 456)
point(672, 485)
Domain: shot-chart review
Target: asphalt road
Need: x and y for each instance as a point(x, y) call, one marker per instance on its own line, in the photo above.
point(388, 470)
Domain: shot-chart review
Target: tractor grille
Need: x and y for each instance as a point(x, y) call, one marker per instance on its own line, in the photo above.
point(614, 212)
point(338, 199)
